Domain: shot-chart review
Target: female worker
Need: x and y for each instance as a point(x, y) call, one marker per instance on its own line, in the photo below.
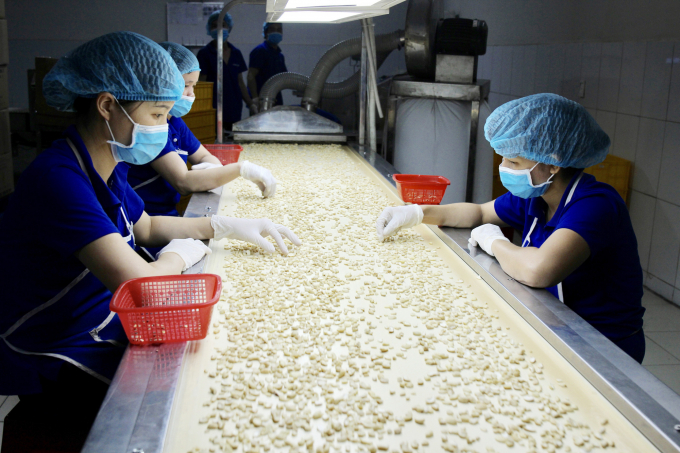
point(578, 240)
point(234, 91)
point(160, 182)
point(69, 232)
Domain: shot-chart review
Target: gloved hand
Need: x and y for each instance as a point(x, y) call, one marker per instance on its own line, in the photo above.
point(485, 235)
point(254, 231)
point(394, 219)
point(260, 176)
point(190, 250)
point(205, 166)
point(254, 107)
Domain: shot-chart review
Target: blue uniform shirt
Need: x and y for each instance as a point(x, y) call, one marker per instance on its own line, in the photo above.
point(160, 197)
point(52, 308)
point(232, 100)
point(606, 290)
point(269, 61)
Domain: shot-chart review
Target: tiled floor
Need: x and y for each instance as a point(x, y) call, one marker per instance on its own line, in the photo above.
point(662, 331)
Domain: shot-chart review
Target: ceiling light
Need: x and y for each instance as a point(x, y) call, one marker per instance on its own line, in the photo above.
point(292, 4)
point(316, 16)
point(366, 6)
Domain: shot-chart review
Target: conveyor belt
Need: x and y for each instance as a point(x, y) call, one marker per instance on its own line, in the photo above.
point(144, 388)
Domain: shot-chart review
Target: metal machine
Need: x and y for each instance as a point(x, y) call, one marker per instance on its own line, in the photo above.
point(302, 123)
point(437, 51)
point(441, 60)
point(288, 124)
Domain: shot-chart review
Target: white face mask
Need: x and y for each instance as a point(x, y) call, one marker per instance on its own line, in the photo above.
point(147, 143)
point(520, 184)
point(182, 106)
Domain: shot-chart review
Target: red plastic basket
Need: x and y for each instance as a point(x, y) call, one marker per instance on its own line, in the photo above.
point(421, 189)
point(167, 309)
point(227, 154)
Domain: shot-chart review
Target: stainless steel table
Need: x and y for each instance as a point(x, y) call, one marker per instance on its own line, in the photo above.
point(135, 414)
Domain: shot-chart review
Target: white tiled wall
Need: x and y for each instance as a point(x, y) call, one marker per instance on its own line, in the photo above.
point(633, 91)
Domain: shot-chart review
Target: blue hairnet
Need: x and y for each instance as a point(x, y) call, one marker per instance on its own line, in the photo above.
point(228, 21)
point(125, 64)
point(185, 59)
point(547, 128)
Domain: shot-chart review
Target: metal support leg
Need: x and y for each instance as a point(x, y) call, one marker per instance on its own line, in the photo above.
point(362, 91)
point(390, 125)
point(472, 150)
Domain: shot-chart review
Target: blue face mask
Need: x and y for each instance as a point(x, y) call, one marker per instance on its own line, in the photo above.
point(274, 38)
point(147, 143)
point(225, 34)
point(519, 183)
point(182, 106)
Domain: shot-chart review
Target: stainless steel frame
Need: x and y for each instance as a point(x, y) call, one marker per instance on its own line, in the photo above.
point(288, 124)
point(404, 87)
point(135, 414)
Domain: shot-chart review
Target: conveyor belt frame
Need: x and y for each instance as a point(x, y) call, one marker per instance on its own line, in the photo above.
point(136, 411)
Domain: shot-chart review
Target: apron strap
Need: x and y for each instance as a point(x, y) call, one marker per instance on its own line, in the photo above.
point(527, 240)
point(47, 304)
point(148, 181)
point(130, 226)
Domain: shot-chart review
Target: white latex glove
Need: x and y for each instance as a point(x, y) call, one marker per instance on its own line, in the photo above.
point(255, 107)
point(205, 166)
point(190, 250)
point(394, 219)
point(485, 235)
point(254, 231)
point(260, 176)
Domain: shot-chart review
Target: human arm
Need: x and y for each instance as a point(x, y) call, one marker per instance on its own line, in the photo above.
point(172, 168)
point(457, 215)
point(113, 261)
point(159, 230)
point(461, 215)
point(541, 267)
point(252, 82)
point(203, 156)
point(240, 67)
point(154, 231)
point(244, 91)
point(585, 228)
point(262, 177)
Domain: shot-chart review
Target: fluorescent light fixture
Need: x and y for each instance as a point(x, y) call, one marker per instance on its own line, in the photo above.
point(365, 6)
point(316, 16)
point(293, 4)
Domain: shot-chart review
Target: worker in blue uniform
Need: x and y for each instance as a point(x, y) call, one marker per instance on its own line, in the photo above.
point(266, 60)
point(160, 182)
point(69, 231)
point(234, 91)
point(578, 240)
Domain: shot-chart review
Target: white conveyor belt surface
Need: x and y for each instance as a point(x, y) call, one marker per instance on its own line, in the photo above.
point(348, 344)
